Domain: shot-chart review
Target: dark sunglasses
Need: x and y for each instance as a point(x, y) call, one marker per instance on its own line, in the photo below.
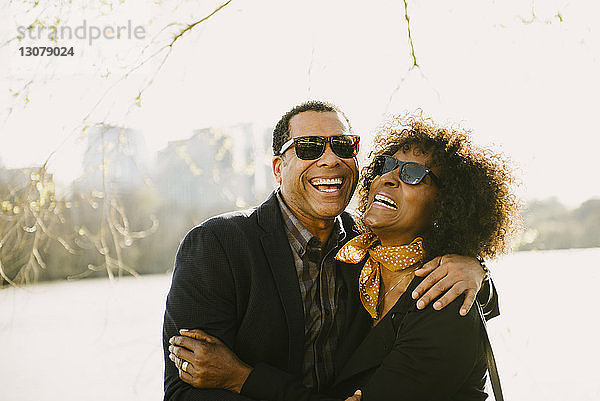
point(410, 172)
point(313, 147)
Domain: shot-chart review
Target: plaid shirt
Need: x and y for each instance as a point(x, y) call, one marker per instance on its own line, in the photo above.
point(320, 288)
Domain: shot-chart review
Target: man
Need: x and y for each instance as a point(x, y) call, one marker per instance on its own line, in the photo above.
point(264, 283)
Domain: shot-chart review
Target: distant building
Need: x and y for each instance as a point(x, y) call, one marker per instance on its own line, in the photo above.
point(115, 160)
point(217, 169)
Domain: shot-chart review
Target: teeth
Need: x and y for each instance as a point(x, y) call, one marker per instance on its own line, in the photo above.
point(327, 181)
point(385, 201)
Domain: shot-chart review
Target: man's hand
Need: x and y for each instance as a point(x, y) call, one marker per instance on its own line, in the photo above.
point(205, 362)
point(452, 274)
point(357, 396)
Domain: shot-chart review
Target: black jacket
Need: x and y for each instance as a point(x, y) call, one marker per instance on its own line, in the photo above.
point(413, 354)
point(235, 278)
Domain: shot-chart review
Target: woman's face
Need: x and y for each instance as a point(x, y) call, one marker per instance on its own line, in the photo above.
point(402, 211)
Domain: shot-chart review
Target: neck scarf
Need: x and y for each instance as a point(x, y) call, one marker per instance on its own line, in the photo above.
point(394, 258)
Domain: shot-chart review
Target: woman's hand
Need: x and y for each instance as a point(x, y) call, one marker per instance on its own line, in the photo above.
point(356, 396)
point(205, 362)
point(451, 275)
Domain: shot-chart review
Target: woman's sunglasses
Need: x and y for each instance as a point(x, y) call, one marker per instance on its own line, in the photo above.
point(313, 147)
point(410, 172)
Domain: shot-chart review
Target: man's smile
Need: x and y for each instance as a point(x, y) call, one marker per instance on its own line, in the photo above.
point(328, 185)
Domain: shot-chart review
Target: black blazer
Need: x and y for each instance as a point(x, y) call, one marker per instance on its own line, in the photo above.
point(235, 278)
point(410, 355)
point(413, 354)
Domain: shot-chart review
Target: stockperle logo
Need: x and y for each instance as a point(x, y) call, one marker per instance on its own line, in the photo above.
point(85, 31)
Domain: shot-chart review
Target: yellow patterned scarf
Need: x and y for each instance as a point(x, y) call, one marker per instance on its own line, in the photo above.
point(394, 258)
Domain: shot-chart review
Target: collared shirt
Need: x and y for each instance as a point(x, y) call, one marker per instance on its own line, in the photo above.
point(320, 288)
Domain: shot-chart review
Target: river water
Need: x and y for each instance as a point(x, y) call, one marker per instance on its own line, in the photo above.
point(99, 340)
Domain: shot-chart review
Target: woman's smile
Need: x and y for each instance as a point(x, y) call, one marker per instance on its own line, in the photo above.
point(384, 200)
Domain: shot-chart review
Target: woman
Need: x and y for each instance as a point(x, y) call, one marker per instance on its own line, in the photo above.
point(427, 192)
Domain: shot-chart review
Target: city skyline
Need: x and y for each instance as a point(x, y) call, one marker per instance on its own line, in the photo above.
point(524, 79)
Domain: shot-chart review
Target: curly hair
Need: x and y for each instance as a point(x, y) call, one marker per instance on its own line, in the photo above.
point(281, 133)
point(475, 212)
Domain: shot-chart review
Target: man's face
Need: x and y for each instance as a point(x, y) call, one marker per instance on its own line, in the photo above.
point(306, 185)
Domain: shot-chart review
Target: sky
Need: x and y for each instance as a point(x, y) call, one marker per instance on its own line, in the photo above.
point(523, 76)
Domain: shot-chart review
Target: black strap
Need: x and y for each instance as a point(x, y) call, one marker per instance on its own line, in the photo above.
point(491, 361)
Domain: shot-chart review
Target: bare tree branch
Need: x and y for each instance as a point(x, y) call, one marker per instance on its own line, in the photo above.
point(410, 41)
point(29, 27)
point(24, 89)
point(5, 277)
point(168, 47)
point(414, 65)
point(310, 66)
point(534, 18)
point(26, 237)
point(191, 26)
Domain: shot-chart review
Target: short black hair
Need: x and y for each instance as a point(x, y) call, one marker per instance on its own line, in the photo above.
point(281, 133)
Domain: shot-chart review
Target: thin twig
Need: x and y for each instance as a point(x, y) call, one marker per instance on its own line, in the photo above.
point(310, 66)
point(414, 65)
point(191, 26)
point(410, 41)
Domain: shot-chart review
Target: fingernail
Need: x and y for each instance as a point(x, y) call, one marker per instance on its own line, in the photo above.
point(437, 305)
point(183, 330)
point(463, 312)
point(170, 348)
point(420, 305)
point(358, 392)
point(171, 340)
point(415, 295)
point(172, 357)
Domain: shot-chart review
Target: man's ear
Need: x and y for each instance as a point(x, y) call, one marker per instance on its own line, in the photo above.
point(277, 163)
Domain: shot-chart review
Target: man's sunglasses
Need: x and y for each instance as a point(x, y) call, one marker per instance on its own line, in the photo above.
point(313, 147)
point(410, 172)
